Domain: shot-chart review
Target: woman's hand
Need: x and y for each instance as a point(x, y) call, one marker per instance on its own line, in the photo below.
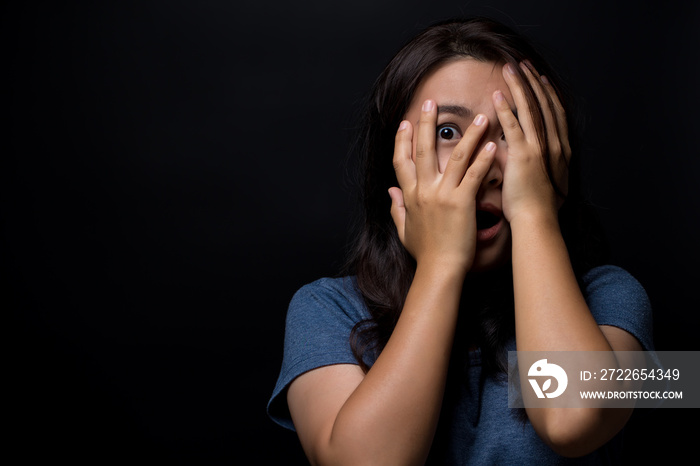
point(389, 415)
point(551, 312)
point(435, 213)
point(527, 187)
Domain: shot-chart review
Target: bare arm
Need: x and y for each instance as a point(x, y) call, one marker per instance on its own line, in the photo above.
point(389, 415)
point(551, 313)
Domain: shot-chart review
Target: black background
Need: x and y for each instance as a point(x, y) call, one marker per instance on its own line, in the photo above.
point(174, 171)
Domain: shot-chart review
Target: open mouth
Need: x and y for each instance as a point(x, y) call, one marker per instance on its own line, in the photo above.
point(485, 220)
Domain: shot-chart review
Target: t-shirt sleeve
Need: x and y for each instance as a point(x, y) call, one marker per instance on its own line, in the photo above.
point(320, 318)
point(616, 298)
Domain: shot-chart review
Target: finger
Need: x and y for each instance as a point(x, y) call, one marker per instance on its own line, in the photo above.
point(509, 124)
point(560, 164)
point(403, 148)
point(426, 157)
point(554, 142)
point(398, 211)
point(516, 89)
point(477, 170)
point(560, 116)
point(556, 125)
point(463, 152)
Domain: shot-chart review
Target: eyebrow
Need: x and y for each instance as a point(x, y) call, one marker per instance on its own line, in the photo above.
point(460, 111)
point(464, 112)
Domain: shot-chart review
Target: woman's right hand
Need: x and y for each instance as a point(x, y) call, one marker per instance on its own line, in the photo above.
point(435, 213)
point(389, 414)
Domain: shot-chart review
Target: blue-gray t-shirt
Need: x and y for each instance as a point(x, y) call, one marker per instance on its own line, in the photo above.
point(476, 424)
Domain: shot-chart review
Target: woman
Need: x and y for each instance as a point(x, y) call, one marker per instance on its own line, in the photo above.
point(481, 246)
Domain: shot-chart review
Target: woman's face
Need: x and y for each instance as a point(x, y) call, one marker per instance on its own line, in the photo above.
point(462, 89)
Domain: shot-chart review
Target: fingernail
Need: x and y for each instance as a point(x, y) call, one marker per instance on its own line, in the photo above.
point(490, 146)
point(499, 96)
point(479, 120)
point(510, 69)
point(544, 79)
point(403, 125)
point(428, 105)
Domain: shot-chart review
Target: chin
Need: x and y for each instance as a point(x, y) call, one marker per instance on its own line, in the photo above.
point(492, 256)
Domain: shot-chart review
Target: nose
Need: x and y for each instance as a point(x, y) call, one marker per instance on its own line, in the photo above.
point(494, 177)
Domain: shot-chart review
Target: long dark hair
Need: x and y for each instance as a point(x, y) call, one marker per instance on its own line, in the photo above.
point(383, 267)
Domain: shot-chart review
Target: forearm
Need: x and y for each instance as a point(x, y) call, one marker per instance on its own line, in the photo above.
point(551, 313)
point(392, 415)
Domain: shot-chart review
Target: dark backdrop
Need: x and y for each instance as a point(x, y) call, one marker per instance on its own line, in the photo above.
point(173, 171)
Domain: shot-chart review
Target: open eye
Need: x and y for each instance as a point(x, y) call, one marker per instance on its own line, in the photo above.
point(448, 133)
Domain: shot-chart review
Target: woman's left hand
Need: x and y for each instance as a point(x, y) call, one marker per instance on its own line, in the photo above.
point(527, 188)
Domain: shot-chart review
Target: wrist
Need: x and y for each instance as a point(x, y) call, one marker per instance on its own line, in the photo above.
point(535, 218)
point(447, 268)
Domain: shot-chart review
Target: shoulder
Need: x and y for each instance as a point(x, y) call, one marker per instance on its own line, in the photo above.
point(320, 319)
point(614, 285)
point(617, 298)
point(330, 288)
point(328, 298)
point(611, 276)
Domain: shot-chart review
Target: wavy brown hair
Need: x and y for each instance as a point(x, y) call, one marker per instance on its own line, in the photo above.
point(383, 267)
